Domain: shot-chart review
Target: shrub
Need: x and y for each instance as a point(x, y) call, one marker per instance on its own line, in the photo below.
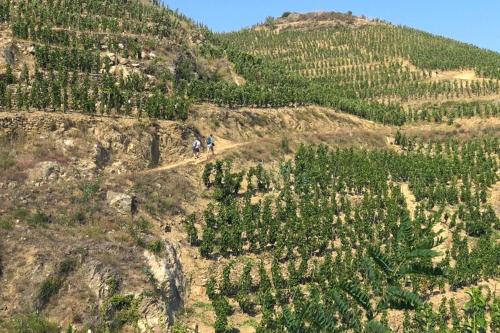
point(49, 288)
point(180, 328)
point(285, 146)
point(270, 22)
point(79, 217)
point(6, 161)
point(21, 214)
point(191, 230)
point(39, 218)
point(156, 246)
point(89, 191)
point(5, 224)
point(66, 267)
point(120, 310)
point(143, 225)
point(113, 285)
point(31, 324)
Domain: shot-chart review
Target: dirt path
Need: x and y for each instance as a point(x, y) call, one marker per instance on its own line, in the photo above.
point(411, 202)
point(439, 228)
point(495, 198)
point(221, 148)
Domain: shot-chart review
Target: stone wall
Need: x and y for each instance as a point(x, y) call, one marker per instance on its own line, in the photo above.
point(153, 142)
point(41, 122)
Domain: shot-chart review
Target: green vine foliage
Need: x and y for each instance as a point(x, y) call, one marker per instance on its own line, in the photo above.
point(78, 48)
point(345, 248)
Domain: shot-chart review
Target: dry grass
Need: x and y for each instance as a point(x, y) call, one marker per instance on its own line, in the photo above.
point(461, 129)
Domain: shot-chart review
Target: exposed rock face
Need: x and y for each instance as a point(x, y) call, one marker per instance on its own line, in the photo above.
point(121, 202)
point(155, 150)
point(99, 279)
point(99, 145)
point(45, 171)
point(314, 20)
point(167, 271)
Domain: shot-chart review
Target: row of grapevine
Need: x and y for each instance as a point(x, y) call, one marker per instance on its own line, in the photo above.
point(450, 111)
point(345, 248)
point(65, 91)
point(77, 48)
point(113, 17)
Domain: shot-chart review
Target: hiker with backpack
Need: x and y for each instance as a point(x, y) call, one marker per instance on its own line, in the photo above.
point(210, 144)
point(196, 148)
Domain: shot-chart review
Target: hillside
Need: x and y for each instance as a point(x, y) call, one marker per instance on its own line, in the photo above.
point(101, 57)
point(411, 73)
point(355, 185)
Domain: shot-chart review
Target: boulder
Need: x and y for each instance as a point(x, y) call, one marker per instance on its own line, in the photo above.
point(101, 155)
point(121, 202)
point(123, 61)
point(98, 277)
point(10, 53)
point(31, 50)
point(111, 56)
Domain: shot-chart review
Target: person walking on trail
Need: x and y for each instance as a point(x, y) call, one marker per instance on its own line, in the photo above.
point(196, 148)
point(210, 144)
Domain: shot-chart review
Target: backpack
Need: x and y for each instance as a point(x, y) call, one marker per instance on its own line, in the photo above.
point(196, 144)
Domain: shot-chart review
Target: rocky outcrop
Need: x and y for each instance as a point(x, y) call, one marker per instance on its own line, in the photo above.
point(101, 279)
point(101, 155)
point(121, 202)
point(114, 145)
point(10, 53)
point(169, 277)
point(44, 172)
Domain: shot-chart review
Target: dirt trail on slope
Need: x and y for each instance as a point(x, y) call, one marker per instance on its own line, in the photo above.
point(411, 201)
point(222, 147)
point(439, 228)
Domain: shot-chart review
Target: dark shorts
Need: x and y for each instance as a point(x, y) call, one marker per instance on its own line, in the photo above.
point(196, 150)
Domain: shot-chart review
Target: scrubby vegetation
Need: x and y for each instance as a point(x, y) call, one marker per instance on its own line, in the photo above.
point(31, 324)
point(346, 250)
point(51, 286)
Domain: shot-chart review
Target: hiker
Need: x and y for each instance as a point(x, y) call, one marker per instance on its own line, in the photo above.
point(196, 148)
point(210, 144)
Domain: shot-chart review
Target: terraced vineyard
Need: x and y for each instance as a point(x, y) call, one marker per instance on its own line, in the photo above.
point(96, 57)
point(134, 58)
point(399, 67)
